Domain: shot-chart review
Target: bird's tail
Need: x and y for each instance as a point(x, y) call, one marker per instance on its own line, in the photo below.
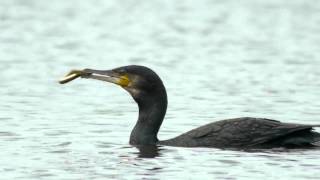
point(316, 143)
point(316, 137)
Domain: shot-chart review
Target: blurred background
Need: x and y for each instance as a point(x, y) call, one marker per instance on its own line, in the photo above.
point(218, 59)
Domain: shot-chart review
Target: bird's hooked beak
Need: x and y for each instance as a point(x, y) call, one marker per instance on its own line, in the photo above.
point(103, 75)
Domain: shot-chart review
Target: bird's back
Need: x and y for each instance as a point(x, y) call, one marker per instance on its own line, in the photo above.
point(247, 132)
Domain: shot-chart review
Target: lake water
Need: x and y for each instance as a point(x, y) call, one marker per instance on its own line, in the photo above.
point(218, 59)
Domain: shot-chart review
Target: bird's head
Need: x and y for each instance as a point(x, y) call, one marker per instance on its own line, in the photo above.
point(141, 82)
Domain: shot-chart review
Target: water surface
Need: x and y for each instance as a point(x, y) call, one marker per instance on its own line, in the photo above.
point(218, 59)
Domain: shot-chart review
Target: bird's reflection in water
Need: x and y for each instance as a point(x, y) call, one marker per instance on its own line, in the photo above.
point(148, 151)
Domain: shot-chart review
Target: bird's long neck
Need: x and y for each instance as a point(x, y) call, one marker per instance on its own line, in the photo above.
point(152, 110)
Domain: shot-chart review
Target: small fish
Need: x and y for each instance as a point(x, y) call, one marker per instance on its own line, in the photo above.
point(71, 76)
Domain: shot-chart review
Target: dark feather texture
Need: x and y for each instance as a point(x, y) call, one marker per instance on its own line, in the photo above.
point(247, 133)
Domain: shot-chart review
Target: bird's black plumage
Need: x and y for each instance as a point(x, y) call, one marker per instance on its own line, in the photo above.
point(247, 132)
point(147, 89)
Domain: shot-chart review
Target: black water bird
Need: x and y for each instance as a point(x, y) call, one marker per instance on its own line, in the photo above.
point(147, 89)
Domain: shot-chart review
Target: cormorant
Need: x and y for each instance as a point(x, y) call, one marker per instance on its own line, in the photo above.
point(147, 89)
